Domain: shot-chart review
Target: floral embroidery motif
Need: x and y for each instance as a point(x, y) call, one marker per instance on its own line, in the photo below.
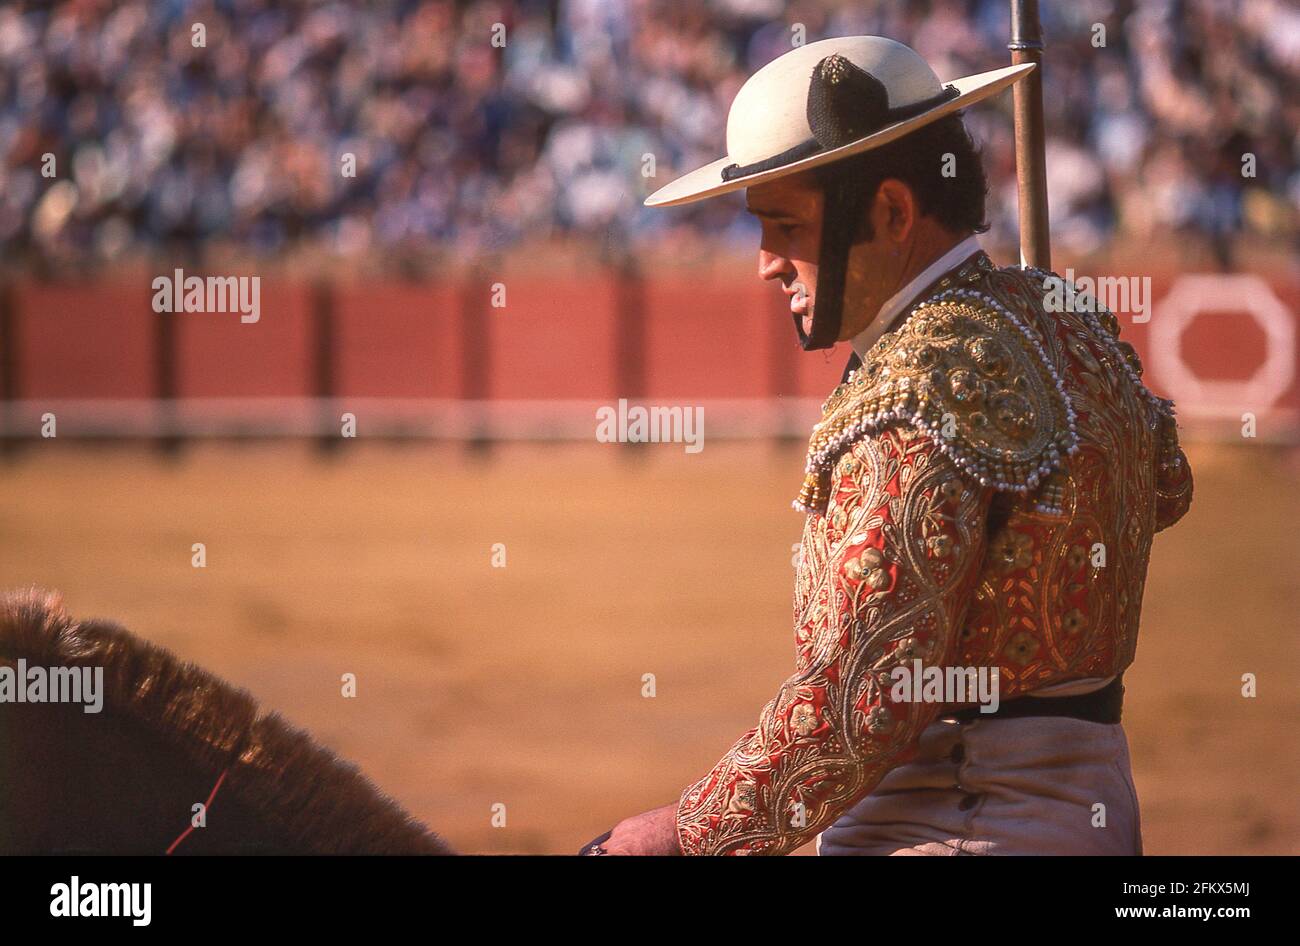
point(869, 568)
point(803, 719)
point(940, 546)
point(1022, 647)
point(1011, 551)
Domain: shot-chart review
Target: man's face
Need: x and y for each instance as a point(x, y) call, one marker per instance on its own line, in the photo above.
point(790, 210)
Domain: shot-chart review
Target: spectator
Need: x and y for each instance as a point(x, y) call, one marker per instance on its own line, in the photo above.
point(160, 146)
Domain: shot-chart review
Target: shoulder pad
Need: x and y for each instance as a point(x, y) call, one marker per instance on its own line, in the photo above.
point(967, 373)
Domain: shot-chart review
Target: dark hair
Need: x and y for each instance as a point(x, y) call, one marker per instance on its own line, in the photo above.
point(919, 160)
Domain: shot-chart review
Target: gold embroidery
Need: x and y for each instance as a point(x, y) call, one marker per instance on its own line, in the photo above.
point(873, 600)
point(1061, 591)
point(897, 563)
point(965, 371)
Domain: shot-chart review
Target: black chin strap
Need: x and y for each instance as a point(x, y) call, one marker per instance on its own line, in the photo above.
point(845, 103)
point(842, 209)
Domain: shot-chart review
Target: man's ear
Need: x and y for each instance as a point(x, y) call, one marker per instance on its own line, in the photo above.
point(897, 209)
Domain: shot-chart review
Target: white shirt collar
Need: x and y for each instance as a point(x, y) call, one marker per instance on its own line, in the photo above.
point(899, 301)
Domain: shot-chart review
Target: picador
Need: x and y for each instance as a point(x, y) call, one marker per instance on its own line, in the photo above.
point(981, 491)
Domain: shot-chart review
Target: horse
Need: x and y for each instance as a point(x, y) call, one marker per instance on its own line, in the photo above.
point(167, 737)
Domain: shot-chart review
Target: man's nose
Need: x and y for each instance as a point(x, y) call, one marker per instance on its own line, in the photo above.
point(772, 265)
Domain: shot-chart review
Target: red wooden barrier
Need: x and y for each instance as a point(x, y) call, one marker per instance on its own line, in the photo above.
point(1220, 345)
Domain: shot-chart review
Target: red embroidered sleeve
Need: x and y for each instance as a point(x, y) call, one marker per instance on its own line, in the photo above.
point(885, 578)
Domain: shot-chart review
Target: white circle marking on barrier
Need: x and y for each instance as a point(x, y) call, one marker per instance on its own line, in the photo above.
point(1195, 293)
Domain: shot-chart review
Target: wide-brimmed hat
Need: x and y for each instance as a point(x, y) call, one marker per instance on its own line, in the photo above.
point(825, 102)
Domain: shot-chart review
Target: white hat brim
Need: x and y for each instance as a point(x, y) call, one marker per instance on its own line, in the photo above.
point(707, 181)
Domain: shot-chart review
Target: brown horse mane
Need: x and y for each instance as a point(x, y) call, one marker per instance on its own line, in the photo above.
point(307, 794)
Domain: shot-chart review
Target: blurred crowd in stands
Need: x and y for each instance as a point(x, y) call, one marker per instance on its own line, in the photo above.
point(161, 146)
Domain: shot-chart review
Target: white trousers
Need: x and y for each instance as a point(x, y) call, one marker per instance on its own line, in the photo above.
point(1031, 785)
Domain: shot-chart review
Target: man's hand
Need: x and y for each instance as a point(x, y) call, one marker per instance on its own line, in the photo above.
point(652, 833)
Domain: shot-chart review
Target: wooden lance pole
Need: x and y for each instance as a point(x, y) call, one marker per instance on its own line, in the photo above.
point(1031, 159)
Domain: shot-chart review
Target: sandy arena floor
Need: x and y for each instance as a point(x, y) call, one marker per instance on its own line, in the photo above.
point(522, 685)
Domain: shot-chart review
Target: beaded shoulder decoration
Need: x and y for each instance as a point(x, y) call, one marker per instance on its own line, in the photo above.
point(969, 374)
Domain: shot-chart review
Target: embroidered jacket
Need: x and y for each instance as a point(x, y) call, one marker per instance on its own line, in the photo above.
point(982, 492)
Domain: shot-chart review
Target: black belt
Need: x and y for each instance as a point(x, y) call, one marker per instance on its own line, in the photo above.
point(1100, 706)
